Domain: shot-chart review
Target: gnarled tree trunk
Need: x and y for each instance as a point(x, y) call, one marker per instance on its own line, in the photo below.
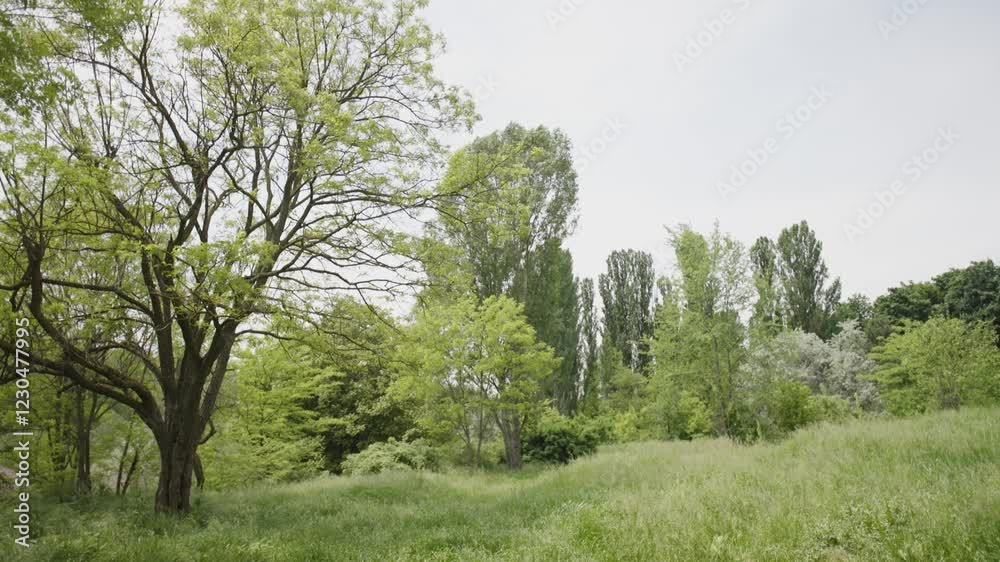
point(177, 460)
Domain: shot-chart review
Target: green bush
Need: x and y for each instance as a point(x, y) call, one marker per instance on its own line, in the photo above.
point(771, 412)
point(827, 408)
point(558, 440)
point(790, 406)
point(679, 415)
point(392, 456)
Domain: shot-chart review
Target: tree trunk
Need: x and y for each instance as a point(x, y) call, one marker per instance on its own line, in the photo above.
point(511, 431)
point(186, 415)
point(131, 472)
point(121, 466)
point(199, 472)
point(173, 492)
point(178, 447)
point(83, 481)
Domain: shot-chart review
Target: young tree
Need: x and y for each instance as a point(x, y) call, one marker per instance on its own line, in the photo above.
point(627, 290)
point(186, 187)
point(474, 368)
point(700, 340)
point(938, 364)
point(270, 428)
point(767, 314)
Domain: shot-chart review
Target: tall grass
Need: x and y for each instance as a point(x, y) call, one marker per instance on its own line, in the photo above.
point(920, 489)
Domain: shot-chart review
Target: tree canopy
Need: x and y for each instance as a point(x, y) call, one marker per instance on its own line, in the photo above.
point(181, 187)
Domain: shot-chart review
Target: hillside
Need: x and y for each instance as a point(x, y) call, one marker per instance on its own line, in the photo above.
point(926, 488)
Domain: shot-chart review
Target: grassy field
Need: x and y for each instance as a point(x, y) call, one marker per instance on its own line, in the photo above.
point(919, 489)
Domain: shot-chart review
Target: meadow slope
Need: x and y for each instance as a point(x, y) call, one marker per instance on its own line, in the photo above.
point(926, 488)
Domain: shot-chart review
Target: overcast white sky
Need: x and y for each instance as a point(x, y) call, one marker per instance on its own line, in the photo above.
point(591, 61)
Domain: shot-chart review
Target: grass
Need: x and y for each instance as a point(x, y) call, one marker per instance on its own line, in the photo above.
point(919, 489)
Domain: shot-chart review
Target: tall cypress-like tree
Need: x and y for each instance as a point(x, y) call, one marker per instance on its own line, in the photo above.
point(551, 307)
point(627, 290)
point(767, 316)
point(810, 296)
point(589, 351)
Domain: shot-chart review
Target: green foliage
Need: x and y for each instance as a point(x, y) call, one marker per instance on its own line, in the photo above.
point(700, 340)
point(556, 439)
point(972, 294)
point(938, 364)
point(768, 312)
point(833, 409)
point(617, 427)
point(589, 354)
point(789, 407)
point(771, 411)
point(835, 367)
point(552, 309)
point(680, 414)
point(471, 369)
point(624, 388)
point(519, 194)
point(917, 302)
point(810, 296)
point(269, 431)
point(304, 403)
point(242, 163)
point(627, 289)
point(392, 456)
point(517, 203)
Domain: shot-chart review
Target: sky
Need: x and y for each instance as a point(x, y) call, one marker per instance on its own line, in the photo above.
point(874, 120)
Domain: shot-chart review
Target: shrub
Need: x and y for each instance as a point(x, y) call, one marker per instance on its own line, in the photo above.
point(391, 456)
point(558, 439)
point(827, 408)
point(789, 406)
point(680, 415)
point(771, 411)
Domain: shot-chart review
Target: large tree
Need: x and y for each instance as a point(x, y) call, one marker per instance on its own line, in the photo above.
point(973, 293)
point(627, 289)
point(810, 295)
point(506, 235)
point(189, 185)
point(552, 309)
point(522, 197)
